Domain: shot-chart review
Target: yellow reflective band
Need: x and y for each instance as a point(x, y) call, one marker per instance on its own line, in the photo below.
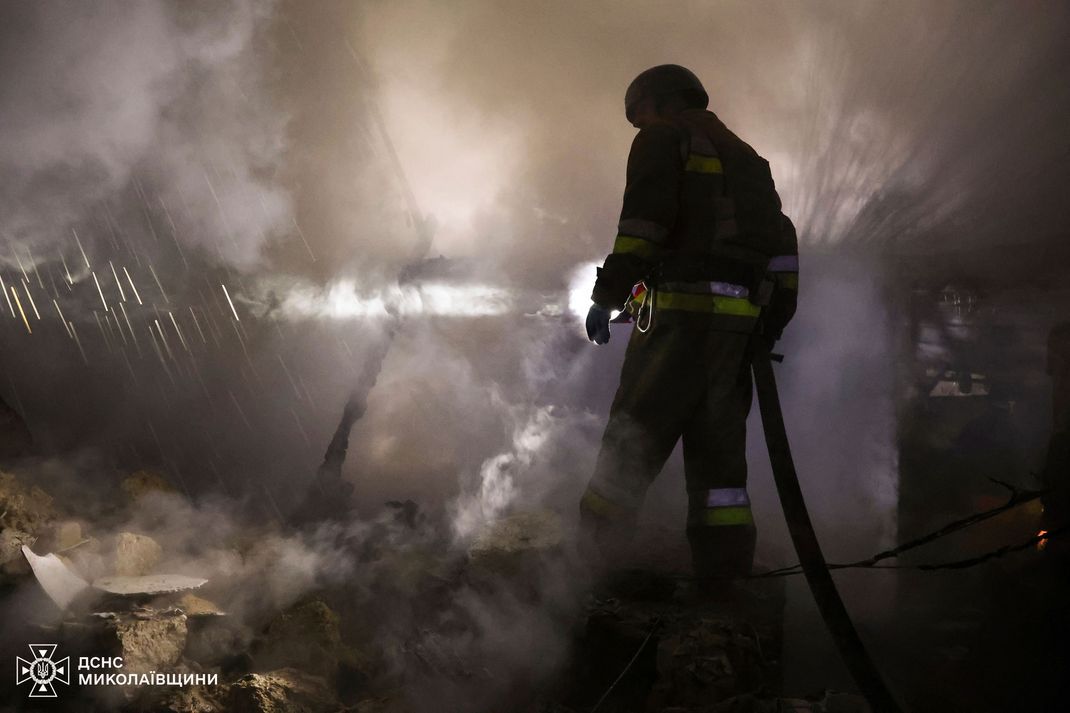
point(717, 517)
point(703, 164)
point(716, 304)
point(634, 246)
point(593, 502)
point(788, 280)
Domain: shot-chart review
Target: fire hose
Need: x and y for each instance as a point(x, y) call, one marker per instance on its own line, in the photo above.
point(848, 643)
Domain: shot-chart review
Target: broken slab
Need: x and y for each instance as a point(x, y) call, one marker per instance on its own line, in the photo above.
point(63, 586)
point(286, 690)
point(147, 585)
point(135, 555)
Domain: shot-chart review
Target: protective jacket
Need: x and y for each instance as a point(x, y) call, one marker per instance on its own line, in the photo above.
point(702, 233)
point(701, 228)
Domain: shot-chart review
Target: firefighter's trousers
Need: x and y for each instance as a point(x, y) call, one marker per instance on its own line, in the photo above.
point(682, 379)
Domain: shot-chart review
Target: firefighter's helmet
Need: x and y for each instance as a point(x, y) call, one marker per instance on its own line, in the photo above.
point(663, 81)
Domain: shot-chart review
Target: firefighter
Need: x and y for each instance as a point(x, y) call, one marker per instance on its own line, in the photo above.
point(705, 261)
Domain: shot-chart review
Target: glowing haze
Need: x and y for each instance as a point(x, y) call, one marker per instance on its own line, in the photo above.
point(304, 155)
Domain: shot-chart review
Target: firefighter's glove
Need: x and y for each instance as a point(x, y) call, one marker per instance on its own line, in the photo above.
point(598, 324)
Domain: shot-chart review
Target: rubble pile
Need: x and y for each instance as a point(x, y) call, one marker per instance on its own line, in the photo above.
point(287, 690)
point(385, 639)
point(655, 645)
point(25, 515)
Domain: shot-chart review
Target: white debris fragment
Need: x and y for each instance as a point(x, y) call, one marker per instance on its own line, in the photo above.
point(150, 584)
point(60, 584)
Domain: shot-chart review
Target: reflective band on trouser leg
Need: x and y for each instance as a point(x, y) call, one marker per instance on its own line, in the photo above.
point(603, 507)
point(717, 517)
point(628, 244)
point(723, 506)
point(727, 497)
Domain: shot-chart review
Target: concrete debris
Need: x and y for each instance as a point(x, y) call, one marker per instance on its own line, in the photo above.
point(193, 699)
point(147, 639)
point(60, 584)
point(144, 482)
point(413, 572)
point(673, 649)
point(286, 690)
point(213, 637)
point(135, 555)
point(510, 544)
point(22, 508)
point(195, 606)
point(64, 535)
point(648, 639)
point(710, 659)
point(11, 544)
point(307, 635)
point(148, 585)
point(434, 655)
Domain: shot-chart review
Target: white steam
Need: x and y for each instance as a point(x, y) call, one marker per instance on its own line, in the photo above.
point(500, 477)
point(115, 112)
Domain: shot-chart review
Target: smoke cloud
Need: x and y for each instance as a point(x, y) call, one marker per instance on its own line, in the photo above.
point(248, 181)
point(160, 104)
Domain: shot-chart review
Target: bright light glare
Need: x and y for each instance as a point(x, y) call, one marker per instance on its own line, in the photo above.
point(579, 289)
point(345, 300)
